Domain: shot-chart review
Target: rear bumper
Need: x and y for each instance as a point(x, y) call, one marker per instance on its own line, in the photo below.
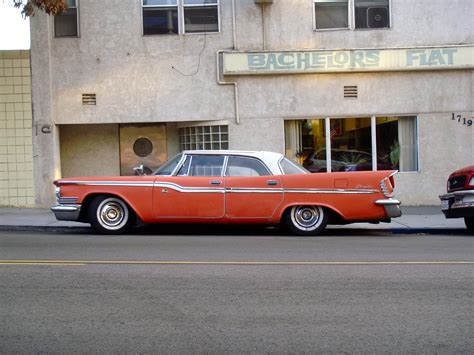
point(392, 207)
point(66, 212)
point(458, 204)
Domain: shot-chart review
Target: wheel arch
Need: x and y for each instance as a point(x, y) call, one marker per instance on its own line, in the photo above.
point(90, 197)
point(335, 216)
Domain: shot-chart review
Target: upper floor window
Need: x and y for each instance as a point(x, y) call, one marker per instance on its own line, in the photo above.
point(330, 14)
point(67, 24)
point(180, 16)
point(351, 14)
point(371, 13)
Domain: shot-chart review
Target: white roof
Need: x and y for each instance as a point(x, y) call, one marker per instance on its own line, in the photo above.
point(270, 159)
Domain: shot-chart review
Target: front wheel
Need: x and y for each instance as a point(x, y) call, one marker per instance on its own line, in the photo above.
point(306, 220)
point(469, 223)
point(109, 215)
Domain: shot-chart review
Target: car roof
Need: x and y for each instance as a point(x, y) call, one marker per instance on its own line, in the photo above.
point(271, 159)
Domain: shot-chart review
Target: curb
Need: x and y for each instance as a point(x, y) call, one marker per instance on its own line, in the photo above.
point(190, 230)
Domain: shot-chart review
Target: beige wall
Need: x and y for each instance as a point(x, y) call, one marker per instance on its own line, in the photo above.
point(16, 166)
point(88, 150)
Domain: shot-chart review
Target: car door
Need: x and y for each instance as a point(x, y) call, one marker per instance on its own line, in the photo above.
point(197, 191)
point(251, 191)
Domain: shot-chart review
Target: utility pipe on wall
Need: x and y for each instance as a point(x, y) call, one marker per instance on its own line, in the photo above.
point(218, 72)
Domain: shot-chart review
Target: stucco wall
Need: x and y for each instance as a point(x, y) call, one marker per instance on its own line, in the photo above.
point(89, 150)
point(16, 152)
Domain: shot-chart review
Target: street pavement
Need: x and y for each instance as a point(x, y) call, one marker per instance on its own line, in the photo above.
point(340, 293)
point(426, 219)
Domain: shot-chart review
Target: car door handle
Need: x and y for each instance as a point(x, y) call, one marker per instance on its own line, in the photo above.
point(216, 182)
point(272, 182)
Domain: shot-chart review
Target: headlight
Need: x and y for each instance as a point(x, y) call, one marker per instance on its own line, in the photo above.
point(471, 183)
point(57, 191)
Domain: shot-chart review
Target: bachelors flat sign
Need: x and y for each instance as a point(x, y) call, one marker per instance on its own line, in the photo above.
point(353, 60)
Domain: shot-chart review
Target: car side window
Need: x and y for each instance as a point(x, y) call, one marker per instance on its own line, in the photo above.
point(206, 165)
point(245, 166)
point(184, 170)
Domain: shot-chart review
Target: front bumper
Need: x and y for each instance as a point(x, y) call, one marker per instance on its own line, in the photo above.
point(392, 207)
point(458, 204)
point(66, 212)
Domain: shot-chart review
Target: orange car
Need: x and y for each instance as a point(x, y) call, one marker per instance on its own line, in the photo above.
point(229, 187)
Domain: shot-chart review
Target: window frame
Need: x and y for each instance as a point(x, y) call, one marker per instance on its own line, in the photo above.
point(349, 16)
point(181, 25)
point(78, 27)
point(328, 146)
point(351, 20)
point(157, 7)
point(185, 145)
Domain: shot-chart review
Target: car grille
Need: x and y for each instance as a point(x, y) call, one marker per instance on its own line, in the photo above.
point(456, 182)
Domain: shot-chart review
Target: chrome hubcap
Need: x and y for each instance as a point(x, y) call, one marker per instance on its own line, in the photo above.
point(306, 217)
point(112, 214)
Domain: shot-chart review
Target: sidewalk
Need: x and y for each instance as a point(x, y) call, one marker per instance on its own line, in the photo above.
point(413, 220)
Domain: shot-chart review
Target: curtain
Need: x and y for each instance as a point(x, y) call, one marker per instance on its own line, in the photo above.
point(292, 139)
point(408, 147)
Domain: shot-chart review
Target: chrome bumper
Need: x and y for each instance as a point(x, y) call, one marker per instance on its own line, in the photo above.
point(392, 207)
point(458, 204)
point(66, 212)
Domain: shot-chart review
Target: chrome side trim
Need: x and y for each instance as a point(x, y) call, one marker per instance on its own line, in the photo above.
point(179, 188)
point(330, 191)
point(243, 190)
point(221, 189)
point(108, 183)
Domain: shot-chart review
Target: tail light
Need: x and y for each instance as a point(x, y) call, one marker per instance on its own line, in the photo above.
point(387, 185)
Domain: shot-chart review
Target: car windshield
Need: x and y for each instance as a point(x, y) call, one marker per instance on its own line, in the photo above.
point(168, 167)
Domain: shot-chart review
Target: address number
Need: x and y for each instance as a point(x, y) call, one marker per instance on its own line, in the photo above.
point(460, 119)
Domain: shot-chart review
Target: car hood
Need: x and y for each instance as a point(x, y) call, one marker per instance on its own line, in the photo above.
point(465, 170)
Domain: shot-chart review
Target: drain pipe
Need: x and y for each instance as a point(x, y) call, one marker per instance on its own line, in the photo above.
point(218, 72)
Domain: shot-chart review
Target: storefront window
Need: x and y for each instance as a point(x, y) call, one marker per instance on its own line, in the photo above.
point(350, 141)
point(396, 143)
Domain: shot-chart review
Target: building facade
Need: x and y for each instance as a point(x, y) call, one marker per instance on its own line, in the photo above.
point(338, 85)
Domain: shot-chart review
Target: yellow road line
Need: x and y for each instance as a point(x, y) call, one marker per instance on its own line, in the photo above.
point(178, 262)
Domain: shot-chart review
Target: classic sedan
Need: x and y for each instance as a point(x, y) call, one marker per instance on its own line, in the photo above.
point(229, 187)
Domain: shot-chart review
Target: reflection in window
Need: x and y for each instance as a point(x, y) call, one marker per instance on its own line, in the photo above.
point(350, 140)
point(200, 16)
point(160, 17)
point(351, 144)
point(331, 14)
point(66, 24)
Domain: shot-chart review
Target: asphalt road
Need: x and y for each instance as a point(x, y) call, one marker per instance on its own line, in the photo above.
point(253, 291)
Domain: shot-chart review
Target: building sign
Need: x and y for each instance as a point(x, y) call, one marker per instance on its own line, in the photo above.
point(353, 60)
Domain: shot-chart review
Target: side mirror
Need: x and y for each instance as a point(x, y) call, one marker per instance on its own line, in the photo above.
point(139, 170)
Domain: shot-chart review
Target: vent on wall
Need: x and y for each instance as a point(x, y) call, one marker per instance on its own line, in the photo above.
point(350, 91)
point(89, 99)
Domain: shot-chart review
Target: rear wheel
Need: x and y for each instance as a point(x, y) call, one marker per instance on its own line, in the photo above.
point(469, 223)
point(109, 215)
point(306, 220)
